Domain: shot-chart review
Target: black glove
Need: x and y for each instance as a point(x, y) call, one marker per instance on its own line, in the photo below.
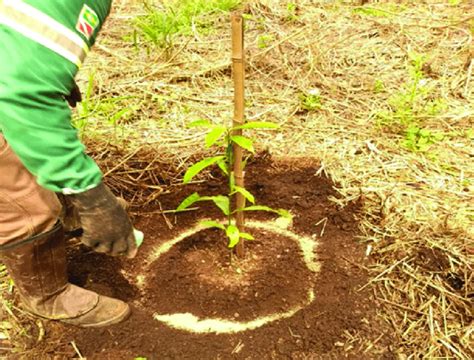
point(107, 227)
point(74, 96)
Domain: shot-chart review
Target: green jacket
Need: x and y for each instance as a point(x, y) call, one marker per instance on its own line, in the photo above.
point(42, 45)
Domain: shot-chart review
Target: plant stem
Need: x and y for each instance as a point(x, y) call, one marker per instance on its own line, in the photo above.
point(231, 174)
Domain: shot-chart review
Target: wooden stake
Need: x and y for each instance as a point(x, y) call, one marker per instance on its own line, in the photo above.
point(238, 67)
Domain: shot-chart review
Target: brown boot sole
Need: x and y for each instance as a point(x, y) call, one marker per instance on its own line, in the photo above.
point(82, 322)
point(79, 321)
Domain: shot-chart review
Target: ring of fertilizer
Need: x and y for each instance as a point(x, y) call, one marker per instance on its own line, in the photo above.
point(192, 323)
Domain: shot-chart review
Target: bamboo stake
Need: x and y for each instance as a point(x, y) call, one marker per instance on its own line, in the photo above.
point(238, 67)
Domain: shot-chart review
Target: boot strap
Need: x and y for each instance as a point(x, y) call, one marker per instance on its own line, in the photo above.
point(16, 244)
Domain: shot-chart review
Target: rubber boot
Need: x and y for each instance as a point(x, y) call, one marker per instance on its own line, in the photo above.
point(39, 270)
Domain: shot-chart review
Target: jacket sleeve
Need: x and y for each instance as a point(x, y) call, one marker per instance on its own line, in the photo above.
point(39, 130)
point(34, 117)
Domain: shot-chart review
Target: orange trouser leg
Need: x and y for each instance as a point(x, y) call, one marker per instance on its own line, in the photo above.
point(26, 209)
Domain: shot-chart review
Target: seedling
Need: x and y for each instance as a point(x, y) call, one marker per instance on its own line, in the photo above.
point(232, 143)
point(420, 140)
point(224, 138)
point(410, 106)
point(379, 86)
point(311, 100)
point(264, 41)
point(291, 9)
point(116, 111)
point(371, 11)
point(161, 25)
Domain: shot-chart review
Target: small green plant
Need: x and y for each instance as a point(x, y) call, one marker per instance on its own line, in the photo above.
point(420, 140)
point(379, 86)
point(469, 134)
point(381, 10)
point(178, 17)
point(85, 107)
point(291, 9)
point(311, 100)
point(410, 106)
point(263, 41)
point(224, 138)
point(95, 112)
point(371, 11)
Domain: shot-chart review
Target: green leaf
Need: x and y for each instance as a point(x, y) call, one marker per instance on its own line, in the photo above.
point(257, 125)
point(246, 236)
point(258, 208)
point(207, 224)
point(247, 194)
point(438, 136)
point(214, 135)
point(221, 201)
point(233, 234)
point(282, 212)
point(425, 133)
point(191, 199)
point(223, 166)
point(424, 141)
point(117, 116)
point(423, 147)
point(243, 142)
point(199, 166)
point(200, 123)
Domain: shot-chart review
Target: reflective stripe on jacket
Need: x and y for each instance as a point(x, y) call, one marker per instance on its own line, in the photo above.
point(43, 29)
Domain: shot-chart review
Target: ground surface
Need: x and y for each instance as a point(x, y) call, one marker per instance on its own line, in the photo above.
point(379, 92)
point(194, 277)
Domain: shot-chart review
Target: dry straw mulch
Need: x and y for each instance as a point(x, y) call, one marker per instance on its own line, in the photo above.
point(417, 219)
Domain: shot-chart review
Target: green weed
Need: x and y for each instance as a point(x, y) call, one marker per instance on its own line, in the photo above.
point(179, 17)
point(86, 107)
point(115, 111)
point(379, 86)
point(310, 101)
point(382, 10)
point(469, 134)
point(263, 41)
point(409, 107)
point(369, 11)
point(420, 140)
point(291, 8)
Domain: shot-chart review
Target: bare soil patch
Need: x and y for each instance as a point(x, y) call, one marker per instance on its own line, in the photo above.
point(196, 276)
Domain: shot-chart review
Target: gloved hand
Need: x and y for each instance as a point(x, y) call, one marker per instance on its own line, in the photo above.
point(74, 96)
point(107, 227)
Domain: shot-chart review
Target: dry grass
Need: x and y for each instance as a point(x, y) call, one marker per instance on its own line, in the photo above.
point(417, 221)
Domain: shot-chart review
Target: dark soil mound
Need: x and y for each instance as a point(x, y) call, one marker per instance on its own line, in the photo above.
point(196, 276)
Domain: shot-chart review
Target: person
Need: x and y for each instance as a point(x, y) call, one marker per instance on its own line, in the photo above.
point(43, 43)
